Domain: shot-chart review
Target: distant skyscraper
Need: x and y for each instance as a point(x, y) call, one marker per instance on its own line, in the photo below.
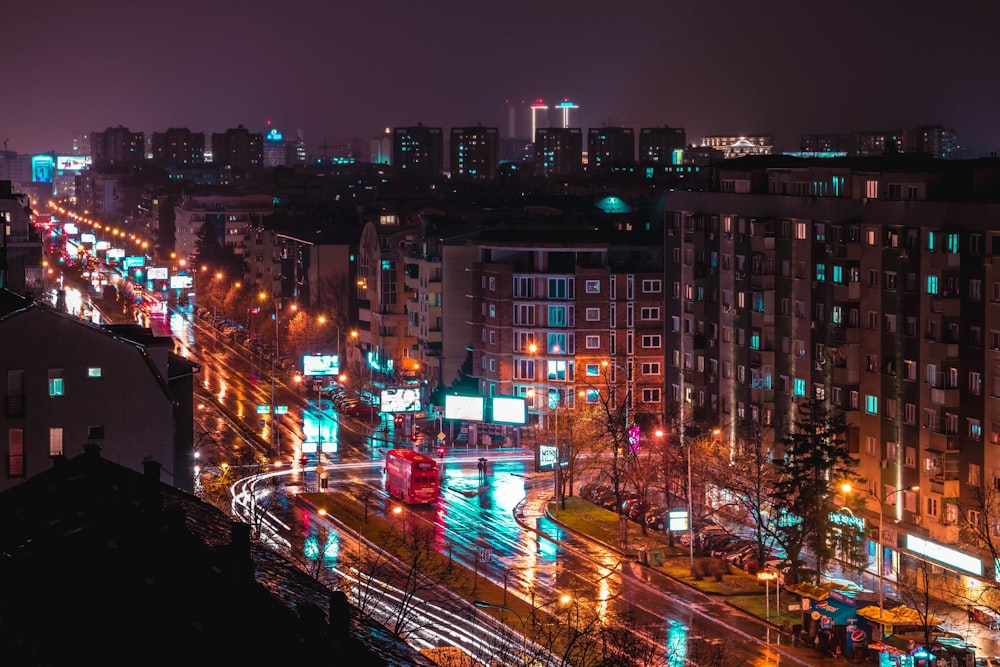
point(610, 146)
point(179, 146)
point(558, 151)
point(564, 108)
point(117, 145)
point(657, 145)
point(474, 153)
point(418, 151)
point(238, 149)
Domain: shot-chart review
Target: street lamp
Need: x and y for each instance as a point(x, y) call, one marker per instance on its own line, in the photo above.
point(767, 577)
point(557, 466)
point(524, 625)
point(847, 488)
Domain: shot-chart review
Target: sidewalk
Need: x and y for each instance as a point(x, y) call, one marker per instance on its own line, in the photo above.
point(956, 620)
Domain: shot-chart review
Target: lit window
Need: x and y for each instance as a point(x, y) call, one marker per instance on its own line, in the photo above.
point(93, 372)
point(871, 404)
point(55, 382)
point(55, 442)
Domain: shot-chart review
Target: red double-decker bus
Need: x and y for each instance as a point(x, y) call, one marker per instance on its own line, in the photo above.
point(411, 477)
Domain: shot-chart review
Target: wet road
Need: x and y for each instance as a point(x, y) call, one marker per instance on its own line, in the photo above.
point(538, 561)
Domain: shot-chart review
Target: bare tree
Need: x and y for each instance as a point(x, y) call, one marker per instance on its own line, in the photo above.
point(398, 576)
point(979, 524)
point(915, 588)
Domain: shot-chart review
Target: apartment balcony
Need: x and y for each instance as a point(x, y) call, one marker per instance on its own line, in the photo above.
point(942, 442)
point(949, 397)
point(761, 282)
point(949, 488)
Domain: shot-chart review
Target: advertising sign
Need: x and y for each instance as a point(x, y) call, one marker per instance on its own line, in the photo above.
point(320, 364)
point(135, 261)
point(509, 410)
point(633, 439)
point(158, 273)
point(41, 168)
point(72, 162)
point(71, 228)
point(116, 253)
point(547, 457)
point(181, 282)
point(401, 399)
point(467, 408)
point(88, 237)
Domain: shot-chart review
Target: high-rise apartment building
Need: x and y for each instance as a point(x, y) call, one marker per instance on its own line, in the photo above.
point(418, 152)
point(179, 147)
point(609, 147)
point(474, 153)
point(558, 151)
point(869, 285)
point(117, 145)
point(239, 149)
point(658, 145)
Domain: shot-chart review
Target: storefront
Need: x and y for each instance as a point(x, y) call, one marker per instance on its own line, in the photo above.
point(830, 620)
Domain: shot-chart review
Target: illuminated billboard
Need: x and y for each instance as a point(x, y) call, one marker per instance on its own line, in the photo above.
point(72, 162)
point(181, 282)
point(70, 228)
point(41, 168)
point(135, 261)
point(116, 253)
point(547, 457)
point(320, 364)
point(88, 237)
point(467, 408)
point(400, 399)
point(158, 273)
point(509, 410)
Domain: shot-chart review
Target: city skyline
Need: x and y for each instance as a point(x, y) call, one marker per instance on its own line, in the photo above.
point(339, 73)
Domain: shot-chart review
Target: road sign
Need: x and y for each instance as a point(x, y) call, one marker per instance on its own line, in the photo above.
point(263, 409)
point(485, 555)
point(281, 409)
point(441, 436)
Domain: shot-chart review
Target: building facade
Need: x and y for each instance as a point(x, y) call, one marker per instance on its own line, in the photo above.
point(418, 152)
point(69, 383)
point(558, 151)
point(870, 285)
point(475, 153)
point(608, 147)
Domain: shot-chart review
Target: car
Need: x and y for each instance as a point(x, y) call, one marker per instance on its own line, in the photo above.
point(988, 662)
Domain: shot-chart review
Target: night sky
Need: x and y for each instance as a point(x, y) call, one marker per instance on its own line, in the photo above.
point(350, 69)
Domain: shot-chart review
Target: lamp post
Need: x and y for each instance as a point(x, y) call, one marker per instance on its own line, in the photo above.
point(767, 577)
point(557, 466)
point(690, 491)
point(847, 488)
point(524, 625)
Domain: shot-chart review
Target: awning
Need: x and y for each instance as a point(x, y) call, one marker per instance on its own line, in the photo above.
point(901, 615)
point(836, 611)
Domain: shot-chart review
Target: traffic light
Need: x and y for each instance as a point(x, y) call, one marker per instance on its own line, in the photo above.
point(440, 452)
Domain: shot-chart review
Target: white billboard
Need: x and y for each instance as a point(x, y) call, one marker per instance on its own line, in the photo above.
point(466, 408)
point(509, 410)
point(400, 399)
